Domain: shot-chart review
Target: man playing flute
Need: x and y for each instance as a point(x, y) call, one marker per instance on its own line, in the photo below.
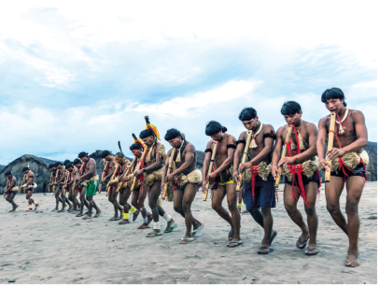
point(300, 168)
point(347, 163)
point(259, 190)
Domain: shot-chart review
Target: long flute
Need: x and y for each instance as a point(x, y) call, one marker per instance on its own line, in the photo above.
point(111, 179)
point(210, 170)
point(244, 158)
point(287, 139)
point(169, 171)
point(106, 163)
point(331, 136)
point(143, 157)
point(125, 175)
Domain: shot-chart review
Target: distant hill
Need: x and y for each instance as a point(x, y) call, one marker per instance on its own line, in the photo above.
point(1, 167)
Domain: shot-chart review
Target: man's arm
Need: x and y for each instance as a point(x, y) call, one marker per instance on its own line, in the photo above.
point(189, 157)
point(309, 153)
point(206, 162)
point(361, 134)
point(30, 179)
point(230, 156)
point(91, 171)
point(165, 168)
point(277, 152)
point(268, 147)
point(111, 169)
point(238, 155)
point(157, 165)
point(62, 176)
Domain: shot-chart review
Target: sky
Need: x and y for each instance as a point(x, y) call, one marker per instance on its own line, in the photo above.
point(81, 75)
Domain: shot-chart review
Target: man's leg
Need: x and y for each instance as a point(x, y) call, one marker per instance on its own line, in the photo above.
point(153, 196)
point(216, 203)
point(68, 202)
point(187, 200)
point(113, 199)
point(123, 197)
point(291, 208)
point(354, 186)
point(90, 200)
point(63, 197)
point(312, 218)
point(29, 193)
point(57, 195)
point(333, 190)
point(82, 202)
point(235, 214)
point(138, 199)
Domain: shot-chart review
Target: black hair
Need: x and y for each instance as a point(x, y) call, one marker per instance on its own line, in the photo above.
point(290, 108)
point(69, 165)
point(77, 161)
point(136, 146)
point(247, 113)
point(214, 127)
point(171, 134)
point(120, 154)
point(66, 162)
point(83, 154)
point(25, 169)
point(8, 173)
point(333, 93)
point(105, 153)
point(51, 165)
point(146, 132)
point(57, 164)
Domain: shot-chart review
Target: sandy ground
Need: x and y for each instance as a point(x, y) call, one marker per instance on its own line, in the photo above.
point(49, 247)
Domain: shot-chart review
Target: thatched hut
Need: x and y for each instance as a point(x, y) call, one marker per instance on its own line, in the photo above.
point(38, 165)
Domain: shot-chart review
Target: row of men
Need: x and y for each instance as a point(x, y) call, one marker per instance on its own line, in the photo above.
point(152, 168)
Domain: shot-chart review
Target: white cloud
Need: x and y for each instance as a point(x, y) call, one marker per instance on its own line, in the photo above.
point(196, 103)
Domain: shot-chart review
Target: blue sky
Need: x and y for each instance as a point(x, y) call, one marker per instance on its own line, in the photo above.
point(81, 76)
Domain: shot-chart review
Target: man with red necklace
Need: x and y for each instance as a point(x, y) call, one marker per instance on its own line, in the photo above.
point(348, 165)
point(300, 168)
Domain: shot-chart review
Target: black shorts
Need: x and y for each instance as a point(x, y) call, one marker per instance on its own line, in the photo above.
point(306, 180)
point(359, 171)
point(265, 193)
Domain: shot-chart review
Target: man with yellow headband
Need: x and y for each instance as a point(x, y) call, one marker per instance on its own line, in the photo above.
point(139, 193)
point(150, 176)
point(221, 178)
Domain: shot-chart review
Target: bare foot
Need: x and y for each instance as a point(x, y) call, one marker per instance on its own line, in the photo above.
point(352, 261)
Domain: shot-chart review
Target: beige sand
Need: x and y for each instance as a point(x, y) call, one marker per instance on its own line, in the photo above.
point(47, 247)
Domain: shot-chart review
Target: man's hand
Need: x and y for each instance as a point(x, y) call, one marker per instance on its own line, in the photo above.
point(335, 153)
point(102, 180)
point(138, 172)
point(162, 186)
point(286, 160)
point(169, 178)
point(324, 165)
point(212, 176)
point(204, 183)
point(245, 166)
point(236, 177)
point(274, 171)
